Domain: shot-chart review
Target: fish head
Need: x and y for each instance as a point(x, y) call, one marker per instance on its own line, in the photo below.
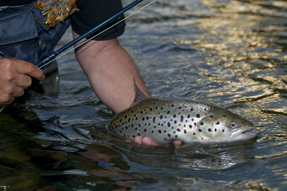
point(224, 126)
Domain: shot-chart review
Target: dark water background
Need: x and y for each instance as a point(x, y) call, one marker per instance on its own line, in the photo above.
point(229, 52)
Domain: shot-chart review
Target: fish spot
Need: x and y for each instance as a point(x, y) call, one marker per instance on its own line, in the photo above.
point(150, 109)
point(172, 105)
point(143, 119)
point(137, 118)
point(156, 107)
point(194, 124)
point(201, 123)
point(149, 124)
point(194, 133)
point(139, 134)
point(164, 138)
point(179, 107)
point(184, 131)
point(211, 116)
point(215, 129)
point(174, 132)
point(168, 135)
point(164, 131)
point(191, 109)
point(145, 130)
point(223, 130)
point(147, 118)
point(168, 112)
point(224, 115)
point(190, 126)
point(159, 131)
point(126, 127)
point(198, 115)
point(168, 124)
point(145, 124)
point(199, 130)
point(141, 112)
point(158, 124)
point(172, 127)
point(161, 108)
point(174, 115)
point(121, 120)
point(209, 130)
point(139, 125)
point(175, 136)
point(125, 117)
point(134, 136)
point(175, 121)
point(188, 116)
point(171, 120)
point(182, 118)
point(152, 131)
point(217, 123)
point(129, 120)
point(136, 129)
point(124, 135)
point(153, 120)
point(178, 130)
point(154, 126)
point(160, 116)
point(162, 124)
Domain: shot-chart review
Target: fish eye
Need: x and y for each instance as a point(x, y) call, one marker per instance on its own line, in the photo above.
point(233, 124)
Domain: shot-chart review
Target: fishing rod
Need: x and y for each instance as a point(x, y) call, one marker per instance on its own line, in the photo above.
point(53, 56)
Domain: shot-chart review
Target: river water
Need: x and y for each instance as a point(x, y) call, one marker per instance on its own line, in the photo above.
point(228, 52)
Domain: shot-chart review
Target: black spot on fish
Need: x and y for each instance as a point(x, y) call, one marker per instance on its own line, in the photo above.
point(168, 112)
point(171, 120)
point(143, 119)
point(149, 124)
point(217, 123)
point(209, 130)
point(191, 109)
point(137, 118)
point(179, 107)
point(160, 116)
point(175, 121)
point(139, 134)
point(184, 131)
point(136, 129)
point(141, 112)
point(145, 130)
point(125, 117)
point(158, 124)
point(174, 115)
point(124, 135)
point(174, 132)
point(188, 116)
point(201, 123)
point(153, 120)
point(194, 133)
point(132, 125)
point(134, 136)
point(164, 138)
point(168, 135)
point(199, 130)
point(224, 115)
point(156, 107)
point(194, 124)
point(164, 131)
point(161, 108)
point(152, 131)
point(190, 126)
point(159, 131)
point(215, 130)
point(126, 127)
point(150, 109)
point(198, 115)
point(211, 116)
point(121, 120)
point(147, 118)
point(154, 126)
point(139, 125)
point(182, 118)
point(172, 127)
point(168, 124)
point(172, 105)
point(175, 136)
point(145, 124)
point(129, 120)
point(222, 130)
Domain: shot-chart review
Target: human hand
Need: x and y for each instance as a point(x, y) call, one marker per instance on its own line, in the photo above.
point(146, 141)
point(15, 76)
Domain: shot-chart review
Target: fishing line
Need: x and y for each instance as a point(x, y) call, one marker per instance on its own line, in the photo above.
point(63, 54)
point(43, 64)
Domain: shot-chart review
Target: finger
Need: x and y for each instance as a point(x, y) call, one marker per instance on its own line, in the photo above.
point(23, 81)
point(30, 69)
point(176, 142)
point(6, 99)
point(149, 142)
point(138, 140)
point(18, 92)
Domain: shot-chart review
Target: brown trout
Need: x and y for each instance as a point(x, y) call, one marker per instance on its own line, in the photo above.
point(164, 120)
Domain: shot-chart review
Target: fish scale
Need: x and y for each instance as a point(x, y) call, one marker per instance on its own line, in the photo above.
point(164, 120)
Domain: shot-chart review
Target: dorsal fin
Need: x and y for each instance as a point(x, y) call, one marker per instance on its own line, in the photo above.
point(139, 95)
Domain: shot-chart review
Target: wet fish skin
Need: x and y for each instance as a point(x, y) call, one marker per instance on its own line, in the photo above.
point(164, 120)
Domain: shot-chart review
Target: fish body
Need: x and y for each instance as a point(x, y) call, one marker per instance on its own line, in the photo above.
point(164, 120)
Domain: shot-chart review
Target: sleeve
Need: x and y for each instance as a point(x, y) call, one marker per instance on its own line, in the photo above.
point(93, 12)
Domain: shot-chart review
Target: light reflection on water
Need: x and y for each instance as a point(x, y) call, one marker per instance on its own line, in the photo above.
point(231, 53)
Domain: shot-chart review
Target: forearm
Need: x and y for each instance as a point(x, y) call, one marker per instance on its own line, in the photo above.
point(111, 72)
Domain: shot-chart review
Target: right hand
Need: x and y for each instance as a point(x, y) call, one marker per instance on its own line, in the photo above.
point(15, 76)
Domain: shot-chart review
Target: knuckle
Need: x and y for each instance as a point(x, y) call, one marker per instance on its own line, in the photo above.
point(8, 76)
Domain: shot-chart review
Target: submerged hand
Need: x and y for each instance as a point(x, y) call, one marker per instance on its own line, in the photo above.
point(146, 141)
point(15, 77)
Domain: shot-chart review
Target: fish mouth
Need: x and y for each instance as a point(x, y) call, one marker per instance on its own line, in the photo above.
point(243, 134)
